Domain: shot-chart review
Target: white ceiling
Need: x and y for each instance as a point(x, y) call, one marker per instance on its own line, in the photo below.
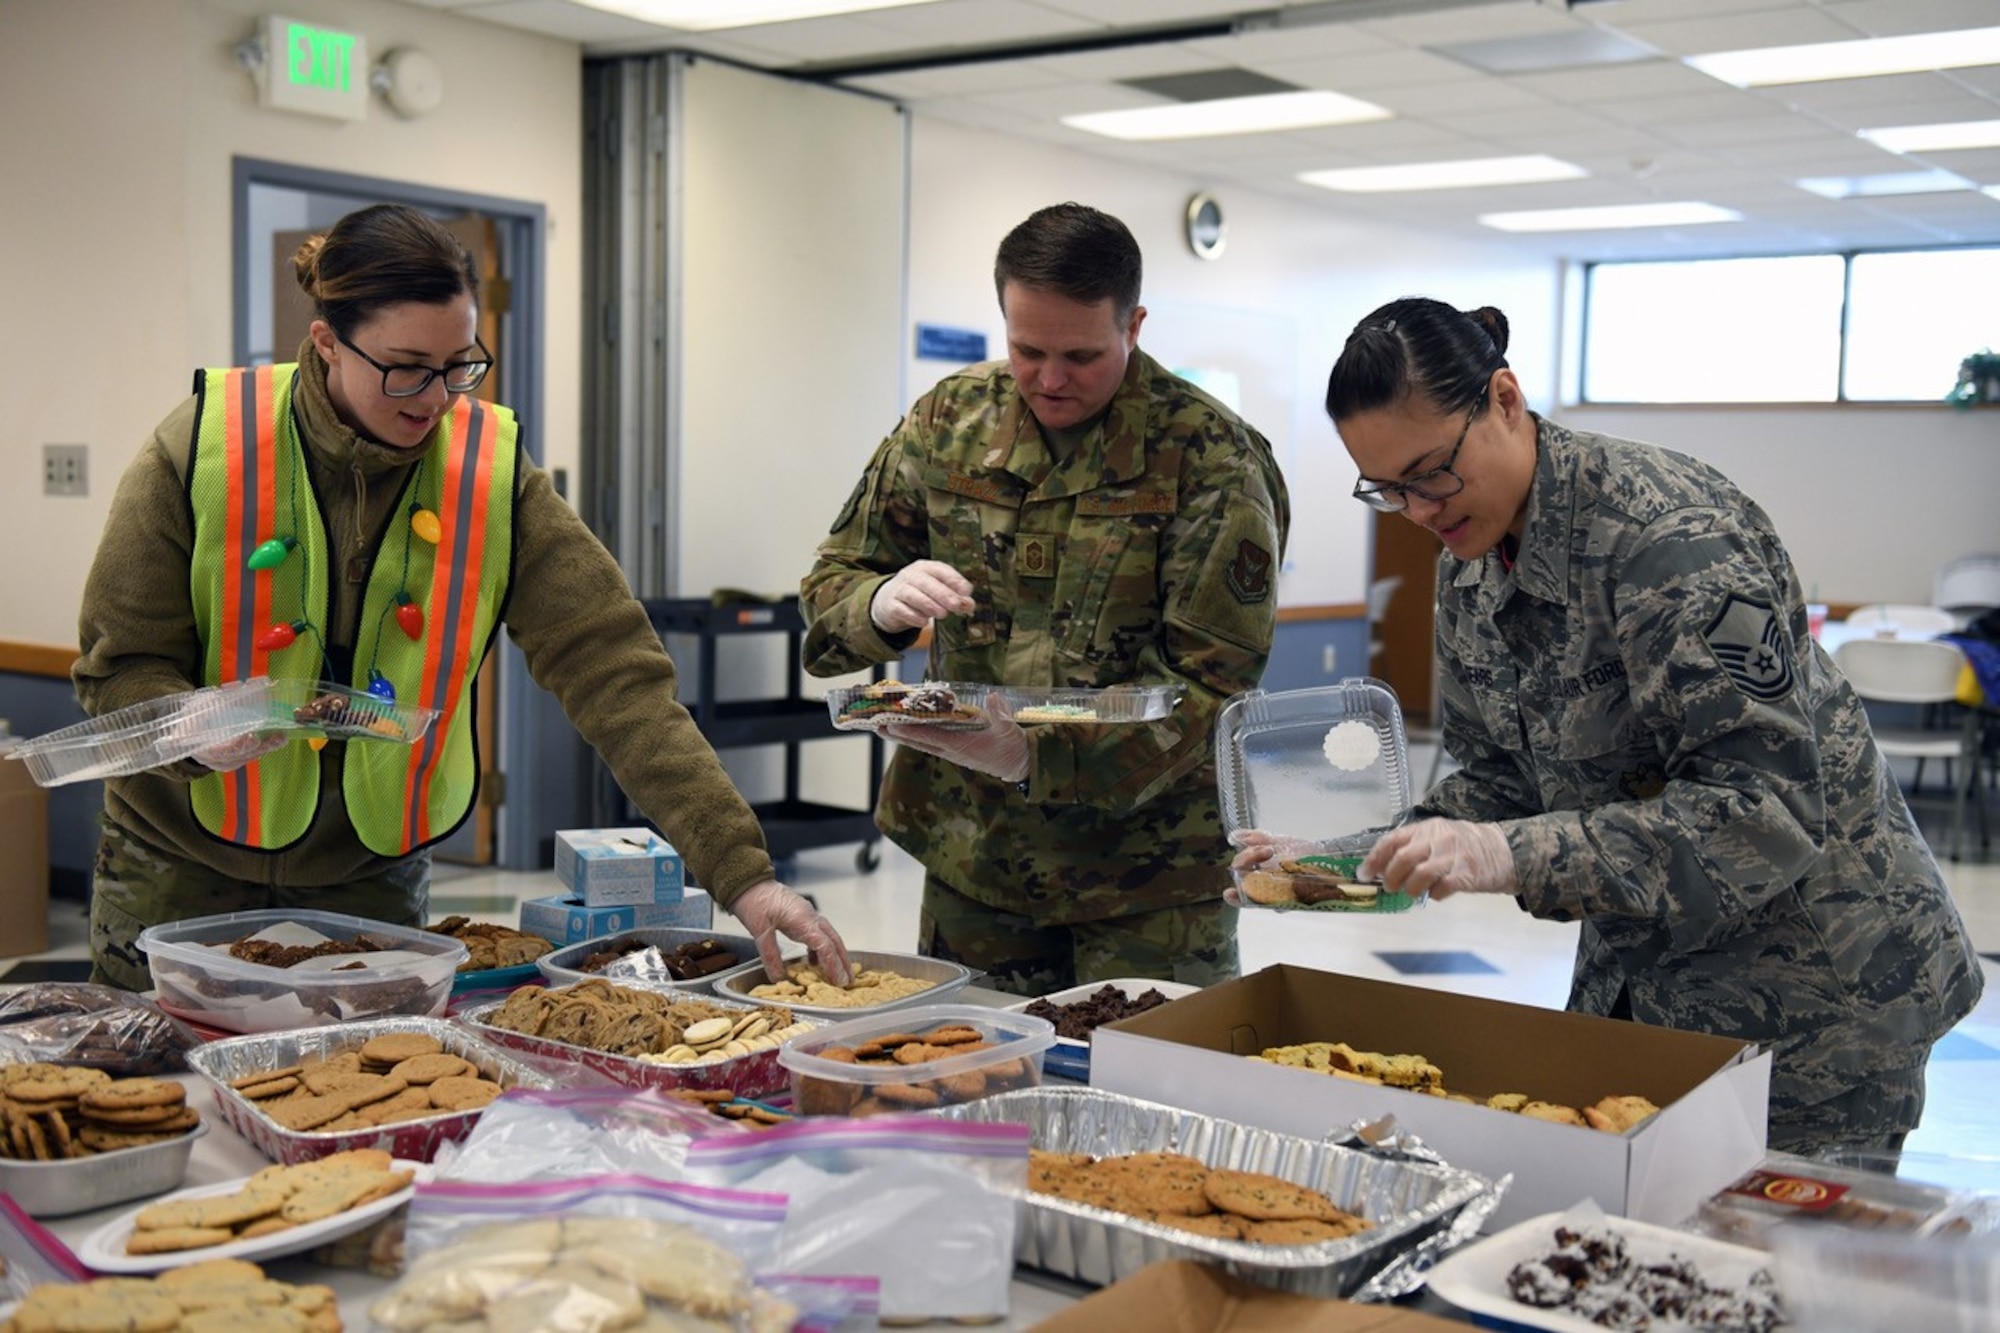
point(1647, 130)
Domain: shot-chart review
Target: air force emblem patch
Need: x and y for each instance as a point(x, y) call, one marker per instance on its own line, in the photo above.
point(1746, 639)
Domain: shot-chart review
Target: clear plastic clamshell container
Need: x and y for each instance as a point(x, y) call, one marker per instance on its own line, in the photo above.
point(341, 713)
point(149, 734)
point(884, 705)
point(1323, 772)
point(1119, 703)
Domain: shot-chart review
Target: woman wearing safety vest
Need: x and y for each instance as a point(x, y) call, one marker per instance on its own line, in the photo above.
point(357, 518)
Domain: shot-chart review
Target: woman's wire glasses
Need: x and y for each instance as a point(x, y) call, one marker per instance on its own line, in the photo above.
point(1440, 483)
point(409, 381)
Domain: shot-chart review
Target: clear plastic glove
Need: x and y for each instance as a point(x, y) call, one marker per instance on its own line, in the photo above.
point(770, 909)
point(1441, 857)
point(232, 754)
point(920, 593)
point(1000, 749)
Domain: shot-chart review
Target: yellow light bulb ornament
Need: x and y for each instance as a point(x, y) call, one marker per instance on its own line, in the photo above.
point(425, 524)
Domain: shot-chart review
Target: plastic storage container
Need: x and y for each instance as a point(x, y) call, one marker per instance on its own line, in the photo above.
point(946, 979)
point(885, 704)
point(869, 1080)
point(148, 735)
point(1119, 703)
point(195, 977)
point(338, 712)
point(1324, 772)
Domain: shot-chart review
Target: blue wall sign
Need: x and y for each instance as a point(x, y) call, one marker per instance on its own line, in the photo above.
point(939, 342)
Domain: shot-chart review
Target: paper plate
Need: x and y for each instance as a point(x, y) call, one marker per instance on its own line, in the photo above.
point(104, 1249)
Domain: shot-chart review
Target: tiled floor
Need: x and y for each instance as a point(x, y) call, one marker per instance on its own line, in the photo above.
point(1471, 945)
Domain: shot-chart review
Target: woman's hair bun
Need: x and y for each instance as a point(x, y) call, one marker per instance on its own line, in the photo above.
point(1495, 324)
point(305, 264)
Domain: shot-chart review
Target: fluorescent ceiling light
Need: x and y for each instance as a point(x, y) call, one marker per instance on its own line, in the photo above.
point(706, 15)
point(1889, 182)
point(1853, 60)
point(1446, 175)
point(1936, 138)
point(1617, 215)
point(1229, 115)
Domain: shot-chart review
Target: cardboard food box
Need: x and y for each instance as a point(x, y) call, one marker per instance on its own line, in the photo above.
point(1713, 1092)
point(618, 867)
point(1181, 1296)
point(24, 866)
point(563, 920)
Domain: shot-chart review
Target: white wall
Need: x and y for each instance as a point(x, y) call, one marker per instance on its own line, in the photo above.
point(1291, 283)
point(123, 117)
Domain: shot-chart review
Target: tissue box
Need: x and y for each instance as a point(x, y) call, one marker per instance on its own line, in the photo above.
point(618, 867)
point(565, 920)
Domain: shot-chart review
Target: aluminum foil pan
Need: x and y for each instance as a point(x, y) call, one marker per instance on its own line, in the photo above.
point(1410, 1203)
point(80, 1184)
point(947, 980)
point(561, 967)
point(413, 1140)
point(757, 1074)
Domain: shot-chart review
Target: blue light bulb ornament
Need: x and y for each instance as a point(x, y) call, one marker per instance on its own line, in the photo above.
point(271, 554)
point(380, 687)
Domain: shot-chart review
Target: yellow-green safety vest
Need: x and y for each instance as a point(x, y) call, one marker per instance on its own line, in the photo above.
point(249, 482)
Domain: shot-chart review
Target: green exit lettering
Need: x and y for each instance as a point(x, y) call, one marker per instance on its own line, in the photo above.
point(319, 58)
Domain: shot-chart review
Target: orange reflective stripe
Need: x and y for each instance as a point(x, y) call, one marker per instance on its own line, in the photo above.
point(251, 441)
point(454, 595)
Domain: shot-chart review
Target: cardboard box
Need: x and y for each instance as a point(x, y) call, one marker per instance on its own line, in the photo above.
point(564, 920)
point(24, 862)
point(618, 867)
point(1181, 1296)
point(1713, 1092)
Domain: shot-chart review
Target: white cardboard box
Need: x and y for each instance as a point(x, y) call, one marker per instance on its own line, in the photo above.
point(1713, 1092)
point(618, 867)
point(565, 920)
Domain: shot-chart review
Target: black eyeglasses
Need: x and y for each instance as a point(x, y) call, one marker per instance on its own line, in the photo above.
point(1440, 483)
point(409, 381)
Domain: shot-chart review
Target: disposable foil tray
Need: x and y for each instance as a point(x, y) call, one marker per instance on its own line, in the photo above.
point(83, 1184)
point(1410, 1204)
point(221, 1062)
point(562, 967)
point(947, 980)
point(757, 1074)
point(147, 735)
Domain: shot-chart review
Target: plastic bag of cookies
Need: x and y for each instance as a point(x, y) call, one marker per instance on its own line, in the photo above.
point(76, 1023)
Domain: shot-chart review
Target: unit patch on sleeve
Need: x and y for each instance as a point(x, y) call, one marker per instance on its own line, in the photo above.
point(1746, 640)
point(1249, 574)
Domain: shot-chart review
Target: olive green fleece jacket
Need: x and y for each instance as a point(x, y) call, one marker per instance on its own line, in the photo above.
point(569, 609)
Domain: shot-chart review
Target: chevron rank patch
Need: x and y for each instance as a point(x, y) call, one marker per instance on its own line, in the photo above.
point(1746, 639)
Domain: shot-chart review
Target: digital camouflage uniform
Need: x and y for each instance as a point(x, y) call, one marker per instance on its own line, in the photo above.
point(1149, 555)
point(1680, 767)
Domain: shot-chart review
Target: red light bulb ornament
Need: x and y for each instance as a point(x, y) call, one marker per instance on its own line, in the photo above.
point(410, 616)
point(281, 636)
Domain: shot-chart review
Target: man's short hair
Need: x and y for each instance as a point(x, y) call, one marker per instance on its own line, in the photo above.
point(1075, 251)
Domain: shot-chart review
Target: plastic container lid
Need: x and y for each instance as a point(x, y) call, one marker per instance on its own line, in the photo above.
point(1011, 1056)
point(1325, 770)
point(149, 734)
point(1118, 703)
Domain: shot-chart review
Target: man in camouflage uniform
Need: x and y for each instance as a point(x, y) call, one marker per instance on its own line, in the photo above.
point(1653, 745)
point(1075, 516)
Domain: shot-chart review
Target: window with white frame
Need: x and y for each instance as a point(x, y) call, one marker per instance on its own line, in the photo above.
point(1887, 326)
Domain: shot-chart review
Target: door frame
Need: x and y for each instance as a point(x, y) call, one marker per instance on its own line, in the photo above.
point(524, 224)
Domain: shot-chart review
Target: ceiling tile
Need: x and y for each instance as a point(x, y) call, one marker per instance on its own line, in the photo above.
point(958, 80)
point(1843, 99)
point(1381, 69)
point(945, 24)
point(1321, 41)
point(1792, 25)
point(1146, 13)
point(1117, 65)
point(1895, 18)
point(1440, 99)
point(1610, 83)
point(577, 23)
point(1474, 21)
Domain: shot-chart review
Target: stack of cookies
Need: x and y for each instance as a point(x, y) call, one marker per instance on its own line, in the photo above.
point(276, 1199)
point(1184, 1193)
point(55, 1111)
point(394, 1076)
point(211, 1296)
point(913, 1086)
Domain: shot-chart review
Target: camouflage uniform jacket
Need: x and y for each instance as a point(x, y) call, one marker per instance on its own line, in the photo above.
point(1149, 556)
point(570, 611)
point(1681, 768)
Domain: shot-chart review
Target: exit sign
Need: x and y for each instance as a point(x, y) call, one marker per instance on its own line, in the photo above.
point(314, 69)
